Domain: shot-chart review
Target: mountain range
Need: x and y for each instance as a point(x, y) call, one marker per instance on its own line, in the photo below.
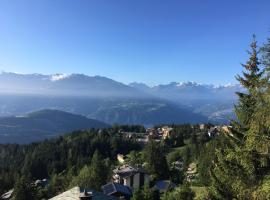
point(214, 102)
point(110, 101)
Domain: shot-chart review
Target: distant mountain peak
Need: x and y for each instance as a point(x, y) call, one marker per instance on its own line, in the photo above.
point(57, 77)
point(188, 83)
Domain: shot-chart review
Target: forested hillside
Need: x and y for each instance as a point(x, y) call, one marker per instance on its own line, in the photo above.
point(61, 159)
point(42, 125)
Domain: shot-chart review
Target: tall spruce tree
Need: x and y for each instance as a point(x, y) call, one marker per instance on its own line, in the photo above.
point(251, 80)
point(236, 171)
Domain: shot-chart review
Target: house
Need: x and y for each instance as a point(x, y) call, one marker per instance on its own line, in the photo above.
point(227, 130)
point(202, 127)
point(121, 158)
point(117, 190)
point(131, 135)
point(7, 195)
point(133, 177)
point(167, 132)
point(213, 132)
point(160, 132)
point(152, 133)
point(78, 193)
point(191, 172)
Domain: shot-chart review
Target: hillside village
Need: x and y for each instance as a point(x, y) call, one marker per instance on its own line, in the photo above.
point(129, 174)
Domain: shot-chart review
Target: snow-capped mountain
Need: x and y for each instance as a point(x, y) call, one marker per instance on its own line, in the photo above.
point(189, 91)
point(65, 84)
point(215, 102)
point(114, 102)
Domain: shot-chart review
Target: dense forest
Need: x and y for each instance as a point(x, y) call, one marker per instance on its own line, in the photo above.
point(60, 158)
point(232, 165)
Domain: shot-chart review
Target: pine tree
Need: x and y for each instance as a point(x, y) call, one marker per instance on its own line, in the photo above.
point(23, 189)
point(154, 155)
point(94, 175)
point(251, 81)
point(182, 193)
point(99, 171)
point(237, 170)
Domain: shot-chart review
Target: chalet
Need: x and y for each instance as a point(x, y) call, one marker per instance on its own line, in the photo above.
point(167, 132)
point(133, 177)
point(202, 127)
point(117, 190)
point(191, 172)
point(213, 132)
point(227, 130)
point(78, 193)
point(152, 134)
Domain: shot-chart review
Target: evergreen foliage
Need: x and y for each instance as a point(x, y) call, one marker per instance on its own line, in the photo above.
point(241, 167)
point(154, 155)
point(146, 194)
point(182, 193)
point(64, 160)
point(23, 189)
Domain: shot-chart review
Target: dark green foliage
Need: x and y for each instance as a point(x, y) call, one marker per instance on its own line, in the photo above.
point(23, 189)
point(177, 176)
point(184, 130)
point(154, 155)
point(94, 175)
point(207, 155)
point(135, 158)
point(251, 80)
point(176, 140)
point(182, 193)
point(146, 194)
point(241, 166)
point(62, 159)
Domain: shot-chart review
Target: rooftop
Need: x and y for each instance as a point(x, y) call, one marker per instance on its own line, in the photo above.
point(77, 192)
point(114, 188)
point(127, 170)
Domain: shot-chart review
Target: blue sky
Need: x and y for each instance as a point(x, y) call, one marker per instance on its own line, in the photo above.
point(151, 41)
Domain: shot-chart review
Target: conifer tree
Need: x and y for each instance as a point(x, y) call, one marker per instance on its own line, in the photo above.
point(237, 170)
point(94, 175)
point(99, 171)
point(154, 155)
point(251, 81)
point(23, 189)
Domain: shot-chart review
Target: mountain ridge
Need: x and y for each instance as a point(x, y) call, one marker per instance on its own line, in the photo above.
point(43, 124)
point(109, 100)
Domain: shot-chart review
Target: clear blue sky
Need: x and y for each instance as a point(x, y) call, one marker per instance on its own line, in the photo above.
point(151, 41)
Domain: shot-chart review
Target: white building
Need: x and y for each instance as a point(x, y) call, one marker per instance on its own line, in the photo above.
point(133, 177)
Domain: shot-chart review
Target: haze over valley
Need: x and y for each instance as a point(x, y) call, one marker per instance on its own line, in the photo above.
point(113, 102)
